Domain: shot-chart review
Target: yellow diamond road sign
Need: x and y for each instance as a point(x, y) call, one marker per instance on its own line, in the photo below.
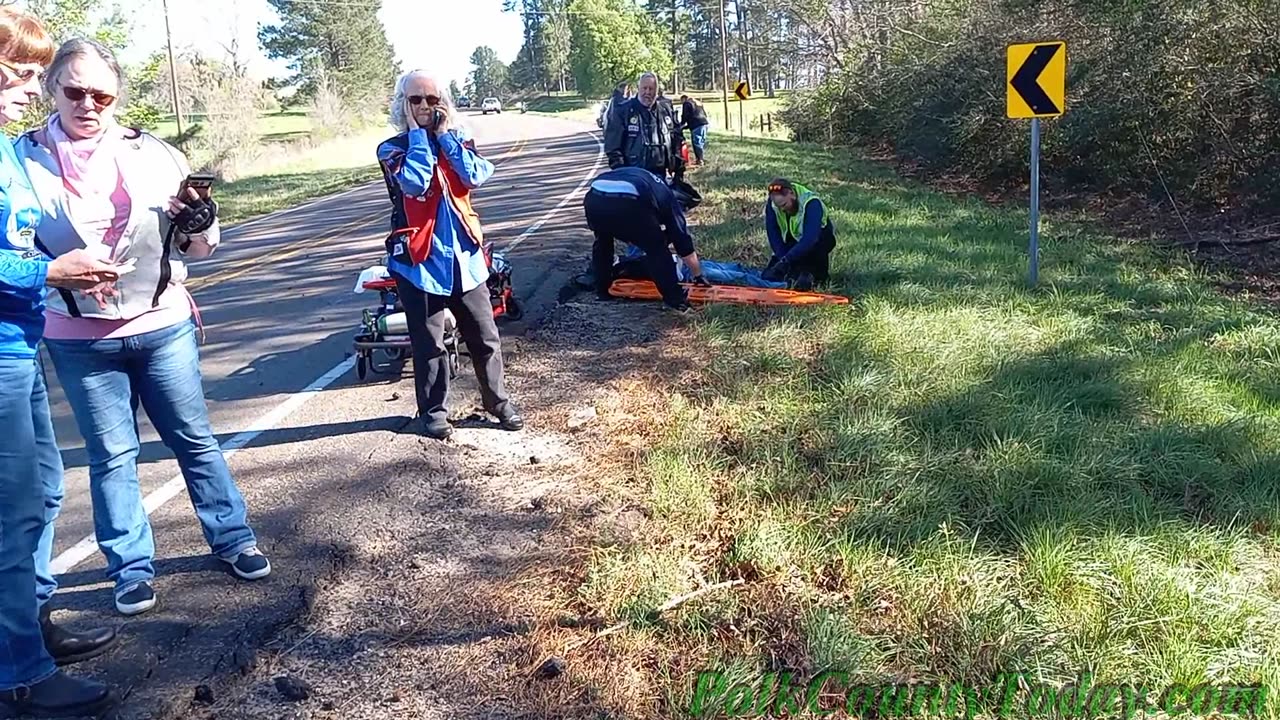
point(743, 91)
point(1036, 85)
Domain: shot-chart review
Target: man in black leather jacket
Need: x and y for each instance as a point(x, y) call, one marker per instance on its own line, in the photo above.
point(643, 132)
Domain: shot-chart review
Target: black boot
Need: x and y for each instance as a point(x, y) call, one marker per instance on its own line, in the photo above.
point(68, 647)
point(59, 696)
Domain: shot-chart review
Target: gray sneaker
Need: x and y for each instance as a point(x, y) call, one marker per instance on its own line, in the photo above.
point(250, 564)
point(136, 600)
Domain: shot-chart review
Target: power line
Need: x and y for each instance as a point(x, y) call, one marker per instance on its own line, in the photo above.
point(359, 4)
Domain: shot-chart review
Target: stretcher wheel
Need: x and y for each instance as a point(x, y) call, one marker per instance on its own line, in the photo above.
point(362, 366)
point(400, 354)
point(514, 310)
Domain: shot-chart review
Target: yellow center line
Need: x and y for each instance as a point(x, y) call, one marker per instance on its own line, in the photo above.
point(252, 264)
point(247, 265)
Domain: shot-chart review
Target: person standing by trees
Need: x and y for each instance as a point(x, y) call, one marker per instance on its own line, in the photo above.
point(694, 117)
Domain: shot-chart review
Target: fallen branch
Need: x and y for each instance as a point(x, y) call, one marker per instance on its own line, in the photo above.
point(1240, 242)
point(669, 605)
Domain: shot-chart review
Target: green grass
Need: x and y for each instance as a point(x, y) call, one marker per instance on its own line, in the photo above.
point(289, 173)
point(960, 476)
point(300, 176)
point(272, 127)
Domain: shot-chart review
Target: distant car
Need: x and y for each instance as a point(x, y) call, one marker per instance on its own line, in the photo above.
point(491, 104)
point(464, 102)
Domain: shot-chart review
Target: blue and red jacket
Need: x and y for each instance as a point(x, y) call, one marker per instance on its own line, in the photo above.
point(430, 181)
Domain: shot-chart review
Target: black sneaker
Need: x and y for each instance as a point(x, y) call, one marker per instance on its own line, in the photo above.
point(136, 600)
point(683, 308)
point(250, 564)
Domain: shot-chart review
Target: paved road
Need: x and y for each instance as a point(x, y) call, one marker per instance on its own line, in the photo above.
point(279, 312)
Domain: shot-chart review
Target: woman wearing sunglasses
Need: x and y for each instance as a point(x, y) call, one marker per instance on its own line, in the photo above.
point(31, 648)
point(437, 253)
point(114, 191)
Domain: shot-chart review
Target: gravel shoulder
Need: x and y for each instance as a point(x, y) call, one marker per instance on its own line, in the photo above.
point(455, 555)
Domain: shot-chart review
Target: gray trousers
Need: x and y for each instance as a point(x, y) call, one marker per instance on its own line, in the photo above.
point(474, 312)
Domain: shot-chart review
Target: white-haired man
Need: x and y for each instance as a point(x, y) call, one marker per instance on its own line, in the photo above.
point(437, 254)
point(643, 132)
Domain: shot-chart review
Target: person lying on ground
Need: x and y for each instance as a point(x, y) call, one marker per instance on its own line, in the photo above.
point(801, 233)
point(639, 208)
point(632, 266)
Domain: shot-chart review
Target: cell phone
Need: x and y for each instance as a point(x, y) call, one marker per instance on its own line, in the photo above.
point(202, 183)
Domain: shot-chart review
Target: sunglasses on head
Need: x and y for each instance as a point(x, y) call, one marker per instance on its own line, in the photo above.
point(428, 99)
point(100, 99)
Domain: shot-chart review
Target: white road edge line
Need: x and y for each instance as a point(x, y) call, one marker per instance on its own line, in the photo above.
point(176, 485)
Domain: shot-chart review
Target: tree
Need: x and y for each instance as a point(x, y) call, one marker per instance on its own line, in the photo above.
point(343, 42)
point(489, 78)
point(454, 92)
point(614, 41)
point(555, 37)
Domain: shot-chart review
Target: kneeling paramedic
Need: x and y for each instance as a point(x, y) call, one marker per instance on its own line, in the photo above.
point(801, 234)
point(634, 205)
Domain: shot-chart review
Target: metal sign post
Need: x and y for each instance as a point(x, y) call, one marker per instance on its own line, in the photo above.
point(743, 91)
point(1035, 200)
point(1036, 88)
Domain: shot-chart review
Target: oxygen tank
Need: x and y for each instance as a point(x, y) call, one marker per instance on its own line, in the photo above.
point(393, 324)
point(398, 324)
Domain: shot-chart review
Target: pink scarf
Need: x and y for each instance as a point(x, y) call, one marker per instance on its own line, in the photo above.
point(98, 202)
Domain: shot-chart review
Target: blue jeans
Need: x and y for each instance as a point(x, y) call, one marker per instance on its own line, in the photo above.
point(104, 381)
point(29, 463)
point(721, 273)
point(698, 136)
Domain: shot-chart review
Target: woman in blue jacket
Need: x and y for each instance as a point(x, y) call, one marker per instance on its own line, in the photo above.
point(30, 464)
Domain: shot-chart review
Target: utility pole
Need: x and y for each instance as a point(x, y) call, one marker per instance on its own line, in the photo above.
point(675, 52)
point(724, 63)
point(173, 70)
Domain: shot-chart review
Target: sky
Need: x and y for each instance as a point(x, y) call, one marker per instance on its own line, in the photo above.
point(434, 34)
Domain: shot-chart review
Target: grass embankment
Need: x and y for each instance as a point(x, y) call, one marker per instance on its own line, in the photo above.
point(960, 476)
point(325, 168)
point(576, 107)
point(289, 169)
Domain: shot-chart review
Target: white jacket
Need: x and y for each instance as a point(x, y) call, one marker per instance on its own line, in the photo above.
point(152, 170)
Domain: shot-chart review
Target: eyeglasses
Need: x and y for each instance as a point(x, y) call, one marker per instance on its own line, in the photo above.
point(419, 99)
point(100, 99)
point(21, 76)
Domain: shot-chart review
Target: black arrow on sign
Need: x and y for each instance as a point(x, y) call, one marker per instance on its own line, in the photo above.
point(1026, 80)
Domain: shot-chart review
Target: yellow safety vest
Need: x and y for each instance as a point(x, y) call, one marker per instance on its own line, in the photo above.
point(794, 225)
